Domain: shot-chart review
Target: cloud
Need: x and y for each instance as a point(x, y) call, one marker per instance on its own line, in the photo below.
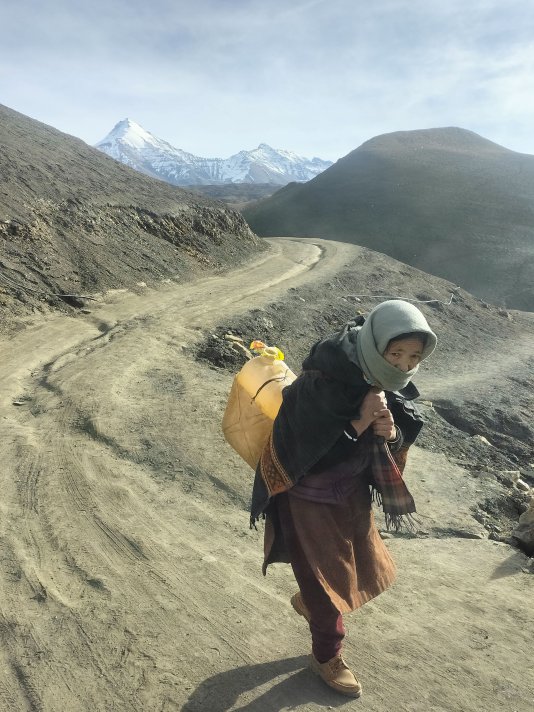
point(315, 76)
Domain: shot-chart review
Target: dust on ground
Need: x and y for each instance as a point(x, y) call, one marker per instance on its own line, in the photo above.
point(130, 579)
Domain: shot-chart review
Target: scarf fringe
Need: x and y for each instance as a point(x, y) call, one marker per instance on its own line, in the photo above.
point(396, 522)
point(376, 496)
point(255, 519)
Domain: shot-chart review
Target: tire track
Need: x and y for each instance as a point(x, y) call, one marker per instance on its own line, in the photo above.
point(106, 554)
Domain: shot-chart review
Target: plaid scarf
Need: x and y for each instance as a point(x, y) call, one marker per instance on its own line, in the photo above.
point(389, 489)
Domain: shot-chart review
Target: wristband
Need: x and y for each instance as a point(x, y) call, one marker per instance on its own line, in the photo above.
point(398, 435)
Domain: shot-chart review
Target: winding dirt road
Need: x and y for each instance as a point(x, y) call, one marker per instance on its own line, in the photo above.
point(129, 578)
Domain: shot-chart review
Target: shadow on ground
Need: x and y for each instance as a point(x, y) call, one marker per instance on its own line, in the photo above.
point(221, 692)
point(514, 564)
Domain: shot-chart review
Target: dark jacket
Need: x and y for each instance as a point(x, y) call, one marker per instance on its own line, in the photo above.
point(407, 419)
point(309, 431)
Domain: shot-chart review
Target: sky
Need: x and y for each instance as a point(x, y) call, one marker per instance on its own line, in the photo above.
point(317, 77)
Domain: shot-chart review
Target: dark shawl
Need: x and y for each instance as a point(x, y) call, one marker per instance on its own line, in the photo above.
point(316, 409)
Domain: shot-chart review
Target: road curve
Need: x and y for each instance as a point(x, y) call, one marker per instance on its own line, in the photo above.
point(108, 432)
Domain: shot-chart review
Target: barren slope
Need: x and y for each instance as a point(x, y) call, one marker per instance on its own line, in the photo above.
point(444, 200)
point(74, 221)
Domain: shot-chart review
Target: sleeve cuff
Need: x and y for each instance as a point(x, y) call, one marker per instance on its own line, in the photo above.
point(397, 441)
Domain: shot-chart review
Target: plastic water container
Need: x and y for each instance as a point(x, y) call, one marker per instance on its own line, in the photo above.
point(255, 399)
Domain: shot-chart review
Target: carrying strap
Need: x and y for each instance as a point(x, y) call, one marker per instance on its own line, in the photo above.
point(271, 380)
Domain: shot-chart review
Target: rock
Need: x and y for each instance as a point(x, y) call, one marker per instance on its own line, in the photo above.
point(237, 345)
point(511, 474)
point(524, 532)
point(522, 485)
point(481, 439)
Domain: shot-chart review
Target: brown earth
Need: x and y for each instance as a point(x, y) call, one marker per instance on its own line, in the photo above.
point(130, 579)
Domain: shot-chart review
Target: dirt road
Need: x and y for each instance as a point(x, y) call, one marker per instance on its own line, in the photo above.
point(130, 580)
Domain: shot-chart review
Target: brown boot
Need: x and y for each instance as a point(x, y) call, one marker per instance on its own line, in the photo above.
point(337, 675)
point(299, 605)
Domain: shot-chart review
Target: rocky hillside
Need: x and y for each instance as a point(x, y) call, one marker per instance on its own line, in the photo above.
point(444, 200)
point(74, 221)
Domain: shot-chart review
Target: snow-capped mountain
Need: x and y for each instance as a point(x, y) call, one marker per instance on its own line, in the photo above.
point(129, 143)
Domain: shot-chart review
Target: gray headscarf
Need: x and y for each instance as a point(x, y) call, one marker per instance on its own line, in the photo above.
point(364, 345)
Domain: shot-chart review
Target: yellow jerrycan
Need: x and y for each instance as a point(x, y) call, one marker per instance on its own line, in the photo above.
point(255, 399)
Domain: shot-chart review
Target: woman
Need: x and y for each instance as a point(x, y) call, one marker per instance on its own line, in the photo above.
point(328, 456)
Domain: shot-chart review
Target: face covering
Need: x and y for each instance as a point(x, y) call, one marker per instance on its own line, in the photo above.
point(364, 345)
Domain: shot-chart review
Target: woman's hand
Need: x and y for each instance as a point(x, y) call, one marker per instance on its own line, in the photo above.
point(373, 406)
point(384, 426)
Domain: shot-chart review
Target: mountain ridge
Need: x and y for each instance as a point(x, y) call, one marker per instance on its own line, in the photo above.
point(131, 144)
point(442, 138)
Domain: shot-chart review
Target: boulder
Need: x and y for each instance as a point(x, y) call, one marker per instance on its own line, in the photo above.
point(524, 532)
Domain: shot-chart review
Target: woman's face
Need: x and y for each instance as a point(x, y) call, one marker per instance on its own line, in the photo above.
point(404, 354)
